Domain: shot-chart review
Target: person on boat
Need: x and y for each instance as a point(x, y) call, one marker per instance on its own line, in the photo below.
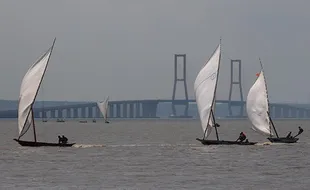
point(64, 139)
point(106, 121)
point(242, 137)
point(289, 135)
point(216, 125)
point(59, 139)
point(300, 131)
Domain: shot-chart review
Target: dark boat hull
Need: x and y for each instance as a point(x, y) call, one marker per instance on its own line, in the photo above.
point(36, 144)
point(222, 142)
point(283, 140)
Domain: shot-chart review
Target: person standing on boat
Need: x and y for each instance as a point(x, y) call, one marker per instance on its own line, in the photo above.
point(300, 131)
point(242, 137)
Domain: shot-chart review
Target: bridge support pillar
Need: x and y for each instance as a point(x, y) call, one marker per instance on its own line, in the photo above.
point(111, 111)
point(68, 113)
point(118, 110)
point(59, 113)
point(138, 115)
point(83, 112)
point(97, 112)
point(301, 113)
point(125, 110)
point(177, 79)
point(53, 114)
point(131, 110)
point(75, 113)
point(285, 112)
point(44, 115)
point(90, 112)
point(36, 114)
point(308, 113)
point(293, 112)
point(278, 112)
point(235, 81)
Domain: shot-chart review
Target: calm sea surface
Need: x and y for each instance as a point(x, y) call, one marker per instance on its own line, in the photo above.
point(152, 154)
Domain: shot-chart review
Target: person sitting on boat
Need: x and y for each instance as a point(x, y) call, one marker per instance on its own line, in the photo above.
point(216, 125)
point(106, 121)
point(289, 135)
point(64, 139)
point(242, 137)
point(59, 139)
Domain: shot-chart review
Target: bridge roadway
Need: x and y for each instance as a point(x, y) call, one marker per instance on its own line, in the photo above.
point(147, 109)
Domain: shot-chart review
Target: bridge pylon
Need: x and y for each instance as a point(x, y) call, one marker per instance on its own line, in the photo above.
point(235, 81)
point(181, 79)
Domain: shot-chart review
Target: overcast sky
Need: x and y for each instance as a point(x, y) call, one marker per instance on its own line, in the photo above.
point(125, 48)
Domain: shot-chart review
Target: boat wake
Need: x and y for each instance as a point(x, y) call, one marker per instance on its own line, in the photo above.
point(269, 143)
point(87, 145)
point(263, 143)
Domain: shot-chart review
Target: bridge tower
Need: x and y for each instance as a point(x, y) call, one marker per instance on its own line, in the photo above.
point(181, 79)
point(235, 81)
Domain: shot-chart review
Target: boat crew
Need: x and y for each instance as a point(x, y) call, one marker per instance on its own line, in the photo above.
point(300, 131)
point(242, 137)
point(62, 140)
point(289, 135)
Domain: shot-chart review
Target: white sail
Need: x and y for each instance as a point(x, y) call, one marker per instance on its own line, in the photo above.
point(103, 107)
point(257, 106)
point(28, 91)
point(205, 89)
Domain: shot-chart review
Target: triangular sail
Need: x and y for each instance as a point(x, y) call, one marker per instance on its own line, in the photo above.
point(103, 107)
point(205, 89)
point(29, 89)
point(257, 106)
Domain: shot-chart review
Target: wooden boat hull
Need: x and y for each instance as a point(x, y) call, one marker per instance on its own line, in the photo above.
point(36, 144)
point(222, 142)
point(283, 140)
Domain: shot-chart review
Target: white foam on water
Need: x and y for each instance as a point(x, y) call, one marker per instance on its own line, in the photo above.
point(87, 145)
point(269, 143)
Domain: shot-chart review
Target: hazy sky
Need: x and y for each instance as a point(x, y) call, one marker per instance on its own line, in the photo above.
point(125, 49)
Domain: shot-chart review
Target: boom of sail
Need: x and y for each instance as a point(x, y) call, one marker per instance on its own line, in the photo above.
point(205, 90)
point(29, 90)
point(103, 107)
point(257, 106)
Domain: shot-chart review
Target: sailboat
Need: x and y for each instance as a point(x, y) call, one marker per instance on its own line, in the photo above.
point(205, 89)
point(257, 106)
point(28, 92)
point(103, 107)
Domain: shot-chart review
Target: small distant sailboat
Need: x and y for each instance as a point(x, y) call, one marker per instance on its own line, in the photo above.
point(103, 107)
point(28, 92)
point(205, 89)
point(257, 106)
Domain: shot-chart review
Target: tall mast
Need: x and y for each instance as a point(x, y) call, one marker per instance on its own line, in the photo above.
point(34, 127)
point(215, 126)
point(270, 123)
